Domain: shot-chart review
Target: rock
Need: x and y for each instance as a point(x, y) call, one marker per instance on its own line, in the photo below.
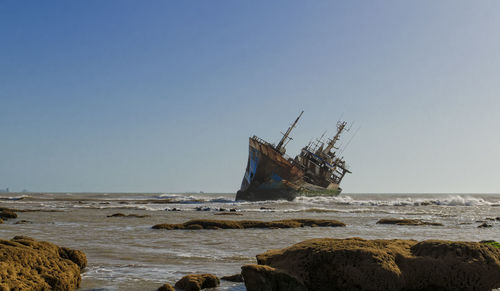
point(127, 215)
point(242, 224)
point(76, 256)
point(197, 282)
point(1, 221)
point(7, 214)
point(399, 221)
point(265, 278)
point(23, 222)
point(166, 287)
point(233, 278)
point(358, 264)
point(491, 243)
point(484, 224)
point(27, 264)
point(228, 213)
point(498, 218)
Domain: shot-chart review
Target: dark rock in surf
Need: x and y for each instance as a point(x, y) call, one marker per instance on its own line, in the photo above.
point(197, 282)
point(233, 278)
point(23, 222)
point(485, 225)
point(243, 224)
point(7, 214)
point(166, 287)
point(358, 264)
point(398, 221)
point(127, 215)
point(28, 264)
point(228, 213)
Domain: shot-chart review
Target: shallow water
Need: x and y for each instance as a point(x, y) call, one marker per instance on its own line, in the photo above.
point(124, 253)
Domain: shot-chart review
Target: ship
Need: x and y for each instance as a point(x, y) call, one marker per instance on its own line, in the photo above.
point(272, 175)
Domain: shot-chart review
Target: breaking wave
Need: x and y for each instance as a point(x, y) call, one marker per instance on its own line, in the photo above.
point(450, 200)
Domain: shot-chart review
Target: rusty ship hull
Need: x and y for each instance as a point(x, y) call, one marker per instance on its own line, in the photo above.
point(270, 175)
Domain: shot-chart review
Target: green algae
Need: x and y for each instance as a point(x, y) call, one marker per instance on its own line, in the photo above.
point(492, 243)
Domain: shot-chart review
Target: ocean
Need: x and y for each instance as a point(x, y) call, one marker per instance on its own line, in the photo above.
point(125, 253)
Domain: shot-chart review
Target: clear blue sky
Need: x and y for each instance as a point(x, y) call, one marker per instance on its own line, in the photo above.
point(161, 96)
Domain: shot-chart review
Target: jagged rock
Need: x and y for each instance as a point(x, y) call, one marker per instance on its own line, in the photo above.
point(484, 224)
point(27, 264)
point(233, 278)
point(358, 264)
point(127, 215)
point(399, 221)
point(242, 224)
point(166, 287)
point(197, 282)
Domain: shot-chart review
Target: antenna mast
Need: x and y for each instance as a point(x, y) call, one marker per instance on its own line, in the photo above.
point(331, 144)
point(280, 147)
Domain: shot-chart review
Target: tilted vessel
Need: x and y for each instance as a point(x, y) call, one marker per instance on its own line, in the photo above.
point(271, 175)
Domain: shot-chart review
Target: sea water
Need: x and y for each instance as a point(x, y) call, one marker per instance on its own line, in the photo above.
point(125, 253)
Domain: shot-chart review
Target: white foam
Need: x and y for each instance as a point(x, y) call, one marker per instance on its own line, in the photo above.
point(450, 200)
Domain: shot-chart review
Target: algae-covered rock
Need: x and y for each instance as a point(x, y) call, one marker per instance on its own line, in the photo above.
point(491, 243)
point(358, 264)
point(242, 224)
point(402, 221)
point(7, 214)
point(233, 278)
point(27, 264)
point(265, 278)
point(127, 215)
point(166, 287)
point(197, 282)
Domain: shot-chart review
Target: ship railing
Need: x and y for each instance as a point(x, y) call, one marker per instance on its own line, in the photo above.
point(260, 140)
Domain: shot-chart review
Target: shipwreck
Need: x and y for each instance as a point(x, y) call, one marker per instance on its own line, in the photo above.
point(272, 175)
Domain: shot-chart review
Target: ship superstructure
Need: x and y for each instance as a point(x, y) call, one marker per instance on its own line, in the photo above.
point(270, 174)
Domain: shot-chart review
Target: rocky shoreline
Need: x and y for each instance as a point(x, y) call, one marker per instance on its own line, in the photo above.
point(316, 264)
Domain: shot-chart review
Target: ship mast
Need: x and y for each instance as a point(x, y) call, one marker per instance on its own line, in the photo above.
point(331, 144)
point(280, 148)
